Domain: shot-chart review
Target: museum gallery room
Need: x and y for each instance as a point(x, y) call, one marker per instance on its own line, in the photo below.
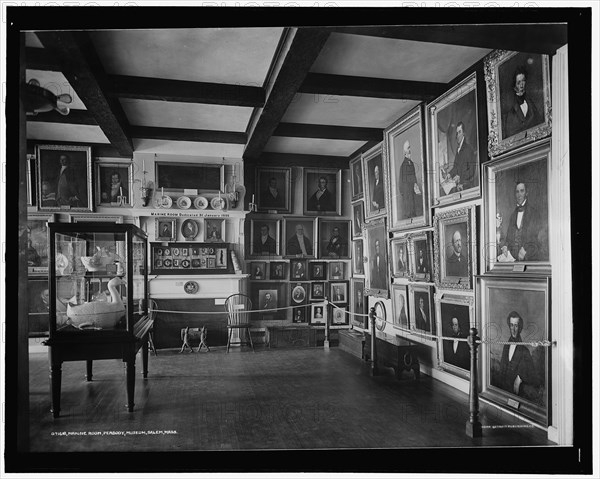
point(349, 241)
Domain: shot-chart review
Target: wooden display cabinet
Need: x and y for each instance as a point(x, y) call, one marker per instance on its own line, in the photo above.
point(98, 299)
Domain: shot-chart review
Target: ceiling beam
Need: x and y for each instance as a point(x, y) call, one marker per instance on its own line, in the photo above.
point(181, 134)
point(531, 38)
point(159, 89)
point(301, 48)
point(343, 85)
point(83, 70)
point(294, 159)
point(40, 59)
point(331, 132)
point(75, 117)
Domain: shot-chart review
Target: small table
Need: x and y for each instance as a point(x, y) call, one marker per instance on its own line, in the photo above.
point(394, 351)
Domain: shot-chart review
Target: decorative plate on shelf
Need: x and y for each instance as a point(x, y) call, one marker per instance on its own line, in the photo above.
point(200, 203)
point(184, 202)
point(217, 203)
point(164, 202)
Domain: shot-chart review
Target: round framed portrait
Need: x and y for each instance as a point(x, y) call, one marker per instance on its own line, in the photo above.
point(189, 229)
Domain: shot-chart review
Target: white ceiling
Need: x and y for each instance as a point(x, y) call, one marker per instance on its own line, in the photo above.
point(244, 56)
point(363, 56)
point(216, 55)
point(57, 84)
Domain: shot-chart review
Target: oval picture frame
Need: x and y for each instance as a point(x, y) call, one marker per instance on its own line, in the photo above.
point(189, 229)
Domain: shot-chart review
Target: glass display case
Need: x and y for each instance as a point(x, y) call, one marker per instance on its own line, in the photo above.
point(98, 298)
point(97, 277)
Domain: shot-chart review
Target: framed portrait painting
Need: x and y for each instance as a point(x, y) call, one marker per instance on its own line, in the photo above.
point(334, 236)
point(214, 230)
point(278, 270)
point(337, 270)
point(405, 162)
point(454, 144)
point(114, 183)
point(166, 229)
point(374, 180)
point(356, 174)
point(299, 314)
point(339, 316)
point(267, 297)
point(422, 312)
point(299, 293)
point(517, 211)
point(322, 191)
point(421, 256)
point(377, 268)
point(298, 269)
point(400, 311)
point(338, 292)
point(300, 237)
point(264, 237)
point(401, 265)
point(258, 270)
point(516, 310)
point(273, 189)
point(359, 257)
point(318, 314)
point(317, 290)
point(455, 248)
point(190, 228)
point(519, 99)
point(456, 316)
point(64, 178)
point(359, 304)
point(317, 270)
point(358, 219)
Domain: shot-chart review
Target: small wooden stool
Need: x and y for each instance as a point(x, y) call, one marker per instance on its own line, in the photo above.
point(188, 333)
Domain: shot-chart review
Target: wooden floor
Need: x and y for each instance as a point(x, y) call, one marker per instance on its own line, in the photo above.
point(268, 400)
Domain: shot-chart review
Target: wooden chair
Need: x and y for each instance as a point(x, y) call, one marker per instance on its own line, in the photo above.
point(238, 318)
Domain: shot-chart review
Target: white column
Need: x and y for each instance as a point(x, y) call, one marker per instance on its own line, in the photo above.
point(561, 429)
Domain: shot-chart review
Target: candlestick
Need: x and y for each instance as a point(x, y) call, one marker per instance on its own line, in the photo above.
point(162, 191)
point(252, 197)
point(144, 165)
point(121, 190)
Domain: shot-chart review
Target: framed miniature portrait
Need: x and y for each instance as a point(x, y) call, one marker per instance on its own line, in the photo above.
point(298, 269)
point(422, 312)
point(317, 270)
point(322, 191)
point(37, 243)
point(401, 266)
point(318, 314)
point(359, 304)
point(114, 183)
point(64, 178)
point(300, 237)
point(264, 237)
point(214, 230)
point(380, 315)
point(299, 293)
point(519, 99)
point(455, 248)
point(334, 236)
point(267, 297)
point(358, 257)
point(356, 175)
point(299, 314)
point(317, 290)
point(454, 144)
point(277, 270)
point(456, 316)
point(338, 316)
point(421, 256)
point(358, 219)
point(406, 167)
point(176, 177)
point(400, 309)
point(338, 292)
point(516, 310)
point(377, 268)
point(374, 175)
point(516, 228)
point(337, 270)
point(258, 270)
point(166, 229)
point(190, 229)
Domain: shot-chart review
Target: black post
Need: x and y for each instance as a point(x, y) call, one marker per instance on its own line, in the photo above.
point(473, 428)
point(374, 369)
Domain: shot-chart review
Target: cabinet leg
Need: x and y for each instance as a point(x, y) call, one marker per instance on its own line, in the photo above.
point(55, 384)
point(130, 384)
point(145, 359)
point(88, 372)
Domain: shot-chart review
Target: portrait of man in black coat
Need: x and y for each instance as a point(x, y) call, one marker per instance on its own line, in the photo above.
point(422, 314)
point(456, 352)
point(264, 243)
point(322, 199)
point(465, 171)
point(456, 259)
point(520, 112)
